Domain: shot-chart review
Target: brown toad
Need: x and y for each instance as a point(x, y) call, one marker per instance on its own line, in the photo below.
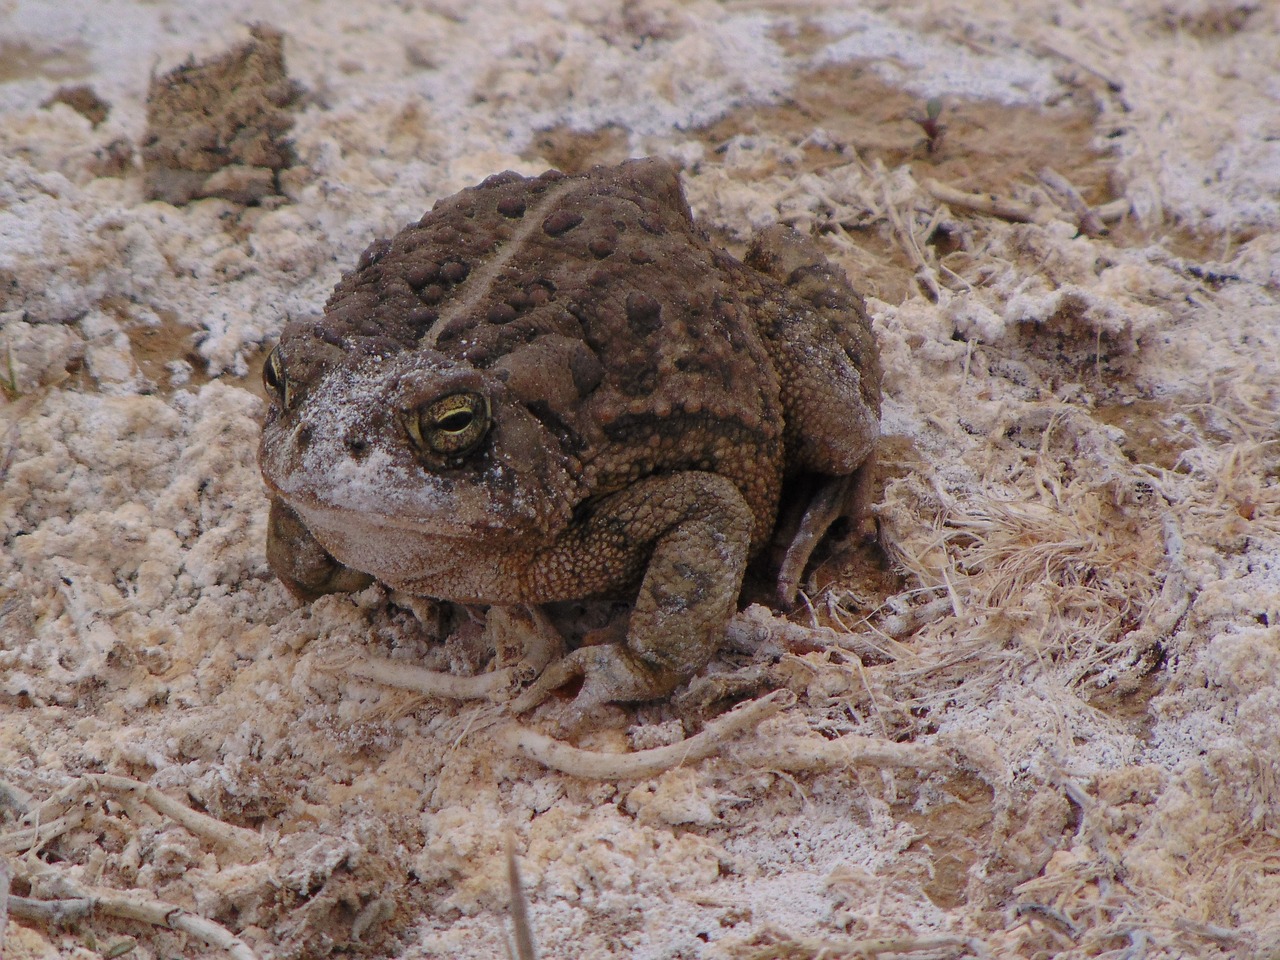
point(555, 388)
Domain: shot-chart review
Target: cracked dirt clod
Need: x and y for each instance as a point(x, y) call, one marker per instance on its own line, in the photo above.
point(217, 128)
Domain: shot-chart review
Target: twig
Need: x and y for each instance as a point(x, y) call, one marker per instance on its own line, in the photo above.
point(242, 843)
point(901, 625)
point(58, 802)
point(816, 754)
point(76, 901)
point(1055, 918)
point(593, 765)
point(1113, 211)
point(911, 246)
point(759, 632)
point(1221, 935)
point(239, 841)
point(1087, 219)
point(14, 797)
point(862, 948)
point(50, 913)
point(5, 877)
point(161, 914)
point(525, 949)
point(1087, 64)
point(20, 841)
point(985, 203)
point(1175, 597)
point(431, 683)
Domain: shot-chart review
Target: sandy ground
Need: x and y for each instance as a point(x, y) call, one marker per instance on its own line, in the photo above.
point(1045, 724)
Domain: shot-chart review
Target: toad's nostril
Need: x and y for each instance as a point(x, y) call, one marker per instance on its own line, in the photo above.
point(357, 445)
point(302, 436)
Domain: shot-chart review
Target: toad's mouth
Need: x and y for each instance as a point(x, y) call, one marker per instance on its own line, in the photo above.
point(371, 522)
point(439, 560)
point(385, 494)
point(441, 516)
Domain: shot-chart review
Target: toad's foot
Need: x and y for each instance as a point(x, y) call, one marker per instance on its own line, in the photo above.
point(846, 496)
point(609, 672)
point(523, 639)
point(695, 528)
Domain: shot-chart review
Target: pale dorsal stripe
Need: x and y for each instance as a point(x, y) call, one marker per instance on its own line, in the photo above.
point(480, 281)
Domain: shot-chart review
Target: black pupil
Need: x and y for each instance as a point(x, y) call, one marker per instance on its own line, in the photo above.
point(273, 380)
point(455, 422)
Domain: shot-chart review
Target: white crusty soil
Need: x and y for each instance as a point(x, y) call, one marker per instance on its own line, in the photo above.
point(1073, 753)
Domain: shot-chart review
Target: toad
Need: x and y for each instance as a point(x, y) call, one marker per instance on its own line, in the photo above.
point(555, 388)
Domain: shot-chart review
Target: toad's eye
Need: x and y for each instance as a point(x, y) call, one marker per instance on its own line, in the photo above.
point(274, 378)
point(450, 427)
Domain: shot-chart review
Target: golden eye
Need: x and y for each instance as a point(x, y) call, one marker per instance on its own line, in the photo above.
point(452, 426)
point(274, 378)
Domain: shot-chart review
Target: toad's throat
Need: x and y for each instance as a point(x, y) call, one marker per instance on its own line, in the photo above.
point(451, 563)
point(374, 524)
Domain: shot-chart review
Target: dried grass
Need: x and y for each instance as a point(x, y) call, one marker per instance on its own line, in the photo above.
point(1051, 571)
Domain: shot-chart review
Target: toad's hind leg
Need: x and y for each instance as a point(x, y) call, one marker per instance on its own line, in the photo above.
point(829, 371)
point(835, 497)
point(694, 529)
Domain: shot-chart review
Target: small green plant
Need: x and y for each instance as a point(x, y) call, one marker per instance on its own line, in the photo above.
point(930, 122)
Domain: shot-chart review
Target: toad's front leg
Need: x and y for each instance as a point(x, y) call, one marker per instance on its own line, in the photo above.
point(690, 534)
point(306, 569)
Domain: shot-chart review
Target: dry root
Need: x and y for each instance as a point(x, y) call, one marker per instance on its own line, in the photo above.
point(756, 631)
point(807, 948)
point(816, 754)
point(72, 901)
point(1090, 220)
point(592, 765)
point(244, 845)
point(431, 683)
point(761, 633)
point(77, 902)
point(523, 928)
